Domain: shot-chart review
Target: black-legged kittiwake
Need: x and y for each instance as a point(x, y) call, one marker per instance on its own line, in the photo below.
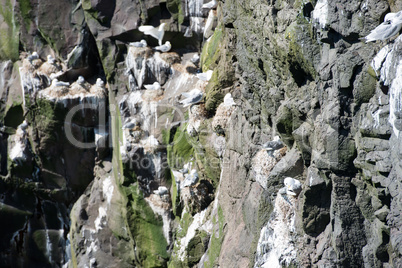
point(293, 187)
point(165, 47)
point(51, 60)
point(162, 190)
point(228, 100)
point(192, 97)
point(23, 125)
point(205, 76)
point(391, 26)
point(80, 80)
point(154, 32)
point(273, 145)
point(100, 83)
point(141, 43)
point(195, 59)
point(33, 56)
point(154, 86)
point(190, 179)
point(57, 83)
point(211, 4)
point(185, 168)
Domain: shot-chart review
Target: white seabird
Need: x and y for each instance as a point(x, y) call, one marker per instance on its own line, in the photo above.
point(141, 43)
point(192, 97)
point(211, 4)
point(23, 126)
point(154, 86)
point(165, 47)
point(162, 190)
point(228, 100)
point(81, 80)
point(100, 83)
point(190, 179)
point(51, 60)
point(273, 145)
point(205, 76)
point(293, 187)
point(195, 59)
point(154, 32)
point(391, 26)
point(33, 56)
point(185, 168)
point(57, 83)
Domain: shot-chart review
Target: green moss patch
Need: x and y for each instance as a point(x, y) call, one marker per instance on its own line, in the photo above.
point(9, 33)
point(180, 149)
point(147, 230)
point(214, 249)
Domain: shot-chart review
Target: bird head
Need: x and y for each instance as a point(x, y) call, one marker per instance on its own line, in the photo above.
point(276, 138)
point(162, 26)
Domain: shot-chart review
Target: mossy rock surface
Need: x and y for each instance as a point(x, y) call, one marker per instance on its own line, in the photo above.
point(147, 230)
point(9, 32)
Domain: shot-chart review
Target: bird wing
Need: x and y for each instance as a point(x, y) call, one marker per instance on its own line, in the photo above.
point(149, 86)
point(383, 31)
point(147, 28)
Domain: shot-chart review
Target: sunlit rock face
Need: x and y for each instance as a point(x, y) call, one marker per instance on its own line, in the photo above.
point(108, 160)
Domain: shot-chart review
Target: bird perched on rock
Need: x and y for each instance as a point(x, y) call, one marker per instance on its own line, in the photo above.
point(192, 97)
point(190, 179)
point(195, 59)
point(185, 168)
point(141, 43)
point(273, 145)
point(100, 83)
point(162, 190)
point(154, 86)
point(391, 26)
point(157, 33)
point(51, 60)
point(293, 187)
point(24, 125)
point(205, 76)
point(228, 100)
point(33, 56)
point(165, 47)
point(211, 4)
point(80, 80)
point(57, 83)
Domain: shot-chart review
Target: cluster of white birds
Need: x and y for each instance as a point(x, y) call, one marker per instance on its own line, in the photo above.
point(390, 27)
point(155, 32)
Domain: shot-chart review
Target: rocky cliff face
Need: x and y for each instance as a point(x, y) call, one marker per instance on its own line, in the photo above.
point(104, 171)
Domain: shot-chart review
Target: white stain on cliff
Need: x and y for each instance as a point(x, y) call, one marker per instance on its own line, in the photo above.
point(320, 13)
point(276, 245)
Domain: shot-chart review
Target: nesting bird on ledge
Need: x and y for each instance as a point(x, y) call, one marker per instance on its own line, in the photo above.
point(390, 27)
